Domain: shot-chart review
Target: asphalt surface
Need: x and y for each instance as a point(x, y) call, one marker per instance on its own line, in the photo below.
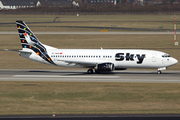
point(82, 76)
point(96, 33)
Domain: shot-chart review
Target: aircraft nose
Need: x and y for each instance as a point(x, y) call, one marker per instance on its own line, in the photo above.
point(174, 61)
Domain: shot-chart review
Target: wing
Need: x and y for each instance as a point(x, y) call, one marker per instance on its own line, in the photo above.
point(80, 63)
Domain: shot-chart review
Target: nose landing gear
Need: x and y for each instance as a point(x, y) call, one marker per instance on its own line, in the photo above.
point(158, 72)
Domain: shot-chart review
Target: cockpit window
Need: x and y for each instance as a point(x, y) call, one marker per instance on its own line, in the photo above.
point(166, 55)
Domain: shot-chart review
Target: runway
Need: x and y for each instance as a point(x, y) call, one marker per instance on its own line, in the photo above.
point(95, 33)
point(81, 76)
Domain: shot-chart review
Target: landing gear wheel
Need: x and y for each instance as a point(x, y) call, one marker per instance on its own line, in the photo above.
point(90, 71)
point(158, 72)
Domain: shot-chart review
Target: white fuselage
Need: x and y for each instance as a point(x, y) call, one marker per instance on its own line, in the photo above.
point(121, 58)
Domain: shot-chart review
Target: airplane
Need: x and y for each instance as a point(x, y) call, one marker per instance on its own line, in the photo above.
point(96, 60)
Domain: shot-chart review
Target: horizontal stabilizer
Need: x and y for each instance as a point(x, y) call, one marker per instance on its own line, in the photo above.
point(22, 51)
point(11, 50)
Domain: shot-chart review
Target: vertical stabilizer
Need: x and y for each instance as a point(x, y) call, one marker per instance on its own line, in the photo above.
point(30, 41)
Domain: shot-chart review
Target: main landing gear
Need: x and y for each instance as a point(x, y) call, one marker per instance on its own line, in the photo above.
point(90, 71)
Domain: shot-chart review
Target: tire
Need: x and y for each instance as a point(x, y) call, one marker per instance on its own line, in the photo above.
point(158, 72)
point(90, 71)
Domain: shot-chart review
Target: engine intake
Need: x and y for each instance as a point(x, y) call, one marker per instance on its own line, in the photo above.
point(104, 67)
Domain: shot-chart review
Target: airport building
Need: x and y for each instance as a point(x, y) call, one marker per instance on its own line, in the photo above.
point(100, 1)
point(52, 3)
point(14, 4)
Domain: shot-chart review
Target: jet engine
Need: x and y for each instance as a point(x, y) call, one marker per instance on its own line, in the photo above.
point(104, 67)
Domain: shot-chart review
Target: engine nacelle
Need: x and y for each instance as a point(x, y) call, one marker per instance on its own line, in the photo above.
point(104, 67)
